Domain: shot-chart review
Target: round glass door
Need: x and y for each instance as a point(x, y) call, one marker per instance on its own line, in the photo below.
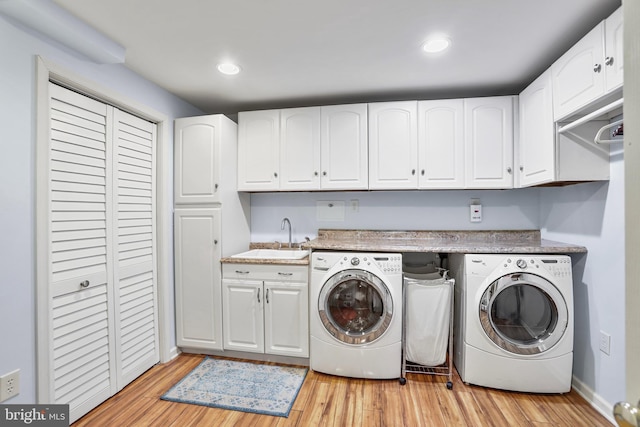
point(355, 306)
point(523, 313)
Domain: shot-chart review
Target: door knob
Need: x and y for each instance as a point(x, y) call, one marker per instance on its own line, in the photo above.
point(626, 415)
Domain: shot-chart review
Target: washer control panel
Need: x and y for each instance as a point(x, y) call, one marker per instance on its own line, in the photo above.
point(559, 267)
point(388, 263)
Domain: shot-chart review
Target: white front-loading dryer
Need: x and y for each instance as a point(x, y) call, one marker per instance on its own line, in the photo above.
point(355, 314)
point(514, 321)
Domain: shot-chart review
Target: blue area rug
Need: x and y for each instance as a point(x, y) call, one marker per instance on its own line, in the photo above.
point(240, 386)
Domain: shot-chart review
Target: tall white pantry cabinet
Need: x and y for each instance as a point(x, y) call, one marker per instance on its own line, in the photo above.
point(211, 221)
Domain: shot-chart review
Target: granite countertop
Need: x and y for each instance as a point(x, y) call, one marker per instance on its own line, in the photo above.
point(493, 241)
point(451, 241)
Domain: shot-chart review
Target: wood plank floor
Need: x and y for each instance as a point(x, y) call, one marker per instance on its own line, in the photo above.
point(326, 400)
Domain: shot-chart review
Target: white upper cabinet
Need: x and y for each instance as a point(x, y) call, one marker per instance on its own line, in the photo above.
point(197, 159)
point(441, 144)
point(488, 136)
point(259, 150)
point(613, 50)
point(300, 148)
point(393, 145)
point(586, 71)
point(344, 147)
point(537, 133)
point(546, 156)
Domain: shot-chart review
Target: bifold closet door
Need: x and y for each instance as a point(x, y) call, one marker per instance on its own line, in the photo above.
point(102, 314)
point(135, 281)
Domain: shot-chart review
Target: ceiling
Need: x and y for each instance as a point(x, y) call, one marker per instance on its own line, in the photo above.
point(299, 52)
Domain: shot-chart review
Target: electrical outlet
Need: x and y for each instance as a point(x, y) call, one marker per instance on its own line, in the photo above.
point(605, 343)
point(9, 385)
point(475, 211)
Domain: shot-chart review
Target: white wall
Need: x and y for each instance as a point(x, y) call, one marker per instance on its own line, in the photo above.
point(592, 215)
point(17, 181)
point(393, 210)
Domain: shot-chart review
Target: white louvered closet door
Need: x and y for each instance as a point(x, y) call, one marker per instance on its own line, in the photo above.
point(134, 217)
point(103, 313)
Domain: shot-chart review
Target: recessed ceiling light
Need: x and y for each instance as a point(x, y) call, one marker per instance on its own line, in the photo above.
point(228, 68)
point(436, 44)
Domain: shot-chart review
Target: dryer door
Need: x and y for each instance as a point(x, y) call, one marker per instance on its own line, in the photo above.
point(355, 306)
point(523, 313)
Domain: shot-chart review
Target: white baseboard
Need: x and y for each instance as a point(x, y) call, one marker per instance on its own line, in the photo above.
point(173, 353)
point(595, 400)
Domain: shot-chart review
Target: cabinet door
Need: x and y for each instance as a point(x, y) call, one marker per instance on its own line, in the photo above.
point(537, 133)
point(286, 320)
point(393, 145)
point(300, 148)
point(197, 160)
point(614, 53)
point(345, 162)
point(197, 276)
point(488, 142)
point(243, 315)
point(578, 75)
point(441, 144)
point(259, 150)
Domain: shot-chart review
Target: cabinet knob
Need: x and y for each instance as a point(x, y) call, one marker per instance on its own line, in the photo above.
point(608, 60)
point(413, 171)
point(521, 168)
point(422, 172)
point(275, 174)
point(324, 173)
point(215, 186)
point(509, 169)
point(315, 173)
point(597, 68)
point(84, 284)
point(215, 242)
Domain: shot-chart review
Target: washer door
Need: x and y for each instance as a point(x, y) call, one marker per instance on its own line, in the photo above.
point(523, 313)
point(355, 306)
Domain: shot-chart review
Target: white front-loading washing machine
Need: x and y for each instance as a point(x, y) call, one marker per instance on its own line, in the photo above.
point(355, 314)
point(514, 321)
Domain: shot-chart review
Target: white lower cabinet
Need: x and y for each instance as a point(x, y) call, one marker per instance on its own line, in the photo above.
point(197, 271)
point(266, 309)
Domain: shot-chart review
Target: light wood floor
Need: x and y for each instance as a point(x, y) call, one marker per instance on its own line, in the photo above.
point(326, 400)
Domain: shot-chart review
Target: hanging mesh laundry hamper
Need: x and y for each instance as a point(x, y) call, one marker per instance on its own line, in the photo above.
point(428, 315)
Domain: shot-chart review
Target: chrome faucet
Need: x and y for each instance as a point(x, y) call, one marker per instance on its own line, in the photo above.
point(286, 221)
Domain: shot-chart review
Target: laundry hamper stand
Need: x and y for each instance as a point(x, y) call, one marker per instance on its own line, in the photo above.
point(441, 290)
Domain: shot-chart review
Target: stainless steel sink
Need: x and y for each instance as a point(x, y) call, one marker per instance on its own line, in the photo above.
point(273, 254)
